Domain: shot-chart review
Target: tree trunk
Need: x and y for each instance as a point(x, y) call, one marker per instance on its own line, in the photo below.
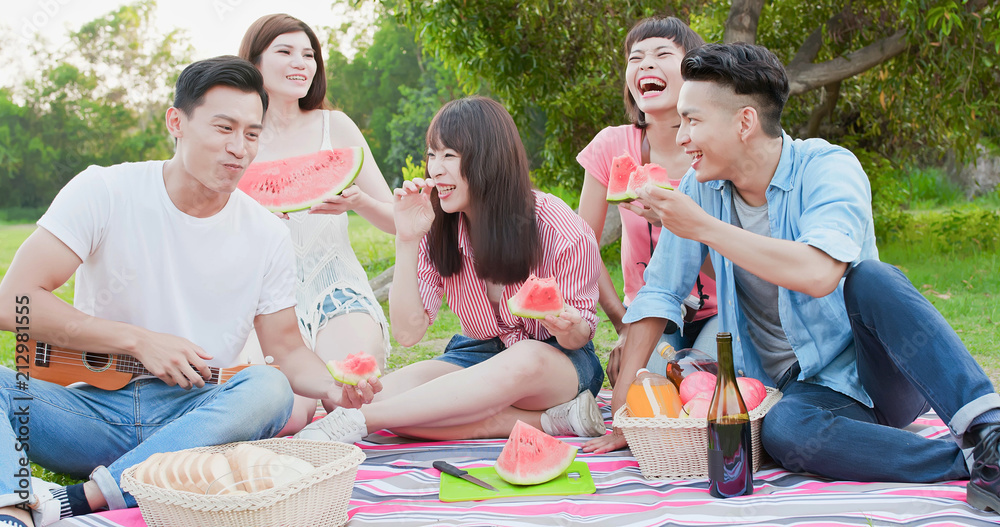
point(803, 77)
point(741, 26)
point(824, 109)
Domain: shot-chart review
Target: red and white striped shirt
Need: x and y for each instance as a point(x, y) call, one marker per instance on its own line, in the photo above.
point(570, 254)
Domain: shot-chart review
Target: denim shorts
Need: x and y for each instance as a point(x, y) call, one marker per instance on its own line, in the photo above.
point(341, 302)
point(466, 351)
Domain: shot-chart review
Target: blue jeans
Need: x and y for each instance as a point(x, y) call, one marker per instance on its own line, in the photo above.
point(466, 352)
point(909, 360)
point(73, 430)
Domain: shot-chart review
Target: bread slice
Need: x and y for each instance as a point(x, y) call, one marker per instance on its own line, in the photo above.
point(232, 457)
point(161, 476)
point(193, 480)
point(175, 473)
point(258, 467)
point(218, 475)
point(289, 469)
point(143, 472)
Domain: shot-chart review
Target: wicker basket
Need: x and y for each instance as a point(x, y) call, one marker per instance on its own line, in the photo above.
point(677, 448)
point(319, 498)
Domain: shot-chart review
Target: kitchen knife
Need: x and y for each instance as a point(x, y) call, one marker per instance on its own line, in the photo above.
point(452, 470)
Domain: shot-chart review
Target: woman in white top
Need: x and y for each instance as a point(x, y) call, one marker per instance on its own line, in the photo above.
point(337, 310)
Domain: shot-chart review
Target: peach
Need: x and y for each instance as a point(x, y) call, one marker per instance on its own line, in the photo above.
point(697, 382)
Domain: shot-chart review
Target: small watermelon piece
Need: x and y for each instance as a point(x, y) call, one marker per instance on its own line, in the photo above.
point(621, 170)
point(530, 456)
point(297, 183)
point(651, 173)
point(537, 298)
point(355, 368)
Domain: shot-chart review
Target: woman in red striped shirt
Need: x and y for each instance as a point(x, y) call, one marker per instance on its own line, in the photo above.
point(473, 231)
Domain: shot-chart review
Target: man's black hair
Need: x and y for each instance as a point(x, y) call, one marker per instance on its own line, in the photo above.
point(227, 70)
point(747, 70)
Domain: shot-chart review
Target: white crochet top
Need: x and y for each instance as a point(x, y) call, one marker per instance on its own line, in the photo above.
point(325, 261)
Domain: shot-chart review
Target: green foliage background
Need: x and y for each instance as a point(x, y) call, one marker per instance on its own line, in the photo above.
point(99, 100)
point(557, 66)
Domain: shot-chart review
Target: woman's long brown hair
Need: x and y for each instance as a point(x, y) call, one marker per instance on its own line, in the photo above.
point(261, 33)
point(504, 236)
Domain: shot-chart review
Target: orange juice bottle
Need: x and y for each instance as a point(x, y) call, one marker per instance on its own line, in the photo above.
point(652, 395)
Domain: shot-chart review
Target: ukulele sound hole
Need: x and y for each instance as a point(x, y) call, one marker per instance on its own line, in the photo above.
point(96, 362)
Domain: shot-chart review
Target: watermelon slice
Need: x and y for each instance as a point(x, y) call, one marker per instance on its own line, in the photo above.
point(297, 183)
point(651, 173)
point(536, 298)
point(355, 368)
point(648, 173)
point(621, 169)
point(530, 456)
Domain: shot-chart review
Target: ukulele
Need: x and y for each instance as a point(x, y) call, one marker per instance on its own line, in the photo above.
point(101, 370)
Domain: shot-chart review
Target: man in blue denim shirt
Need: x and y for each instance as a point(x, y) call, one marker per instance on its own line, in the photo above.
point(857, 352)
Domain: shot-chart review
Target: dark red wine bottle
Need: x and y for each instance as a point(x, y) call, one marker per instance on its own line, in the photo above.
point(730, 451)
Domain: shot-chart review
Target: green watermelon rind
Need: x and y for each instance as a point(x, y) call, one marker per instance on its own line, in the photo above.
point(528, 313)
point(348, 378)
point(359, 156)
point(524, 437)
point(624, 197)
point(619, 197)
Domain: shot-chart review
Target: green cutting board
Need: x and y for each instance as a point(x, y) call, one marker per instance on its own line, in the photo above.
point(457, 489)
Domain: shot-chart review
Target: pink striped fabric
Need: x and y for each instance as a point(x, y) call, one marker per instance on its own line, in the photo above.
point(396, 487)
point(570, 255)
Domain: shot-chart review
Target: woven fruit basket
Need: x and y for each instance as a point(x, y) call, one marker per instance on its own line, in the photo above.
point(318, 498)
point(677, 448)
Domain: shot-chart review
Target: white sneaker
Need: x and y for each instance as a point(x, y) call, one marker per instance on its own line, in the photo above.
point(580, 417)
point(344, 425)
point(46, 509)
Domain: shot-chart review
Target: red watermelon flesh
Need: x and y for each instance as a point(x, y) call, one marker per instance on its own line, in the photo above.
point(621, 169)
point(356, 367)
point(652, 173)
point(297, 183)
point(530, 456)
point(536, 298)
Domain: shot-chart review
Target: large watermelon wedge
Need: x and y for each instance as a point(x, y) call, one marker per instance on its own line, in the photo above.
point(297, 183)
point(536, 298)
point(621, 168)
point(530, 456)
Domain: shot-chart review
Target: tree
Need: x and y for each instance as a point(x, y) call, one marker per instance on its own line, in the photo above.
point(99, 100)
point(893, 76)
point(368, 88)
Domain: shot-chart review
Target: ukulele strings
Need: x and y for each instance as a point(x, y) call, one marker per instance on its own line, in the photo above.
point(123, 363)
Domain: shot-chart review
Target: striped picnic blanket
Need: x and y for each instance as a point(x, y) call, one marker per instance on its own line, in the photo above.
point(396, 487)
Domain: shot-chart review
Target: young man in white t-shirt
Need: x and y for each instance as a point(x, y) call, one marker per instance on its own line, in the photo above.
point(174, 267)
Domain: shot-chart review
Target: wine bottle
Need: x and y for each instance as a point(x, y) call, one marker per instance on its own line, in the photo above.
point(730, 451)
